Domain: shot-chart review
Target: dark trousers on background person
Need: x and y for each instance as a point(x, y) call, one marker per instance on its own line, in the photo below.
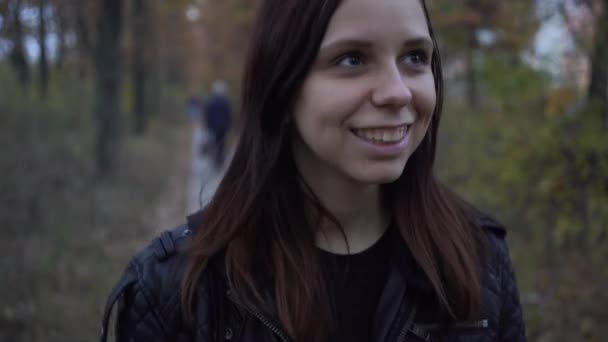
point(219, 142)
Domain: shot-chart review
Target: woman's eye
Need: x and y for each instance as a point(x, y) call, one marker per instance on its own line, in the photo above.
point(417, 58)
point(349, 60)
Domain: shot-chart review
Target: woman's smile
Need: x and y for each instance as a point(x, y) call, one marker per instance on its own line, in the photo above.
point(382, 135)
point(383, 142)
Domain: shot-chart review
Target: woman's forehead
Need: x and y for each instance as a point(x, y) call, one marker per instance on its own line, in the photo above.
point(377, 19)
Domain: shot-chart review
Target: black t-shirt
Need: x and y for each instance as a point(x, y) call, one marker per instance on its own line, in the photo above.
point(355, 283)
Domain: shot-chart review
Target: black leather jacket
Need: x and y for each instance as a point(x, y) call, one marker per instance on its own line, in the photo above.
point(149, 307)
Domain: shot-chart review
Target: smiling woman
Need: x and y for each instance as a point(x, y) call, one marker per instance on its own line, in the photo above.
point(366, 103)
point(329, 223)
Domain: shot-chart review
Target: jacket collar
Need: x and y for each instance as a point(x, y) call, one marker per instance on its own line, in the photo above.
point(406, 283)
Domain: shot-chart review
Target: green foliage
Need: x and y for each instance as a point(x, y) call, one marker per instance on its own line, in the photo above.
point(39, 137)
point(530, 153)
point(69, 235)
point(536, 157)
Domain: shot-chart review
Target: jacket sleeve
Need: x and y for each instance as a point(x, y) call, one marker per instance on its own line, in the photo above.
point(511, 319)
point(146, 299)
point(136, 320)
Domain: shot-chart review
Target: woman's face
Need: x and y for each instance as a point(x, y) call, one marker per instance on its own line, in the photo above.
point(367, 101)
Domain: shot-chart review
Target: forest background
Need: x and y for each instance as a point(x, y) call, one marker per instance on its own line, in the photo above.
point(92, 116)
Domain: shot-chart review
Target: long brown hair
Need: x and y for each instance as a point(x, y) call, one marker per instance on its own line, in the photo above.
point(258, 218)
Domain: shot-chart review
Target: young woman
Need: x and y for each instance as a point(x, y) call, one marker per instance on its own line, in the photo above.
point(329, 224)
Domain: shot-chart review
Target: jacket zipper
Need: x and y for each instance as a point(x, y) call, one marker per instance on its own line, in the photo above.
point(423, 330)
point(408, 323)
point(265, 321)
point(477, 324)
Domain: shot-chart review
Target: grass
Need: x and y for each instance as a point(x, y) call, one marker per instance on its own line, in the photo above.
point(66, 236)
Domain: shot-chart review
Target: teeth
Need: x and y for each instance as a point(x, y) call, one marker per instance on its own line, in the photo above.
point(378, 134)
point(387, 136)
point(382, 135)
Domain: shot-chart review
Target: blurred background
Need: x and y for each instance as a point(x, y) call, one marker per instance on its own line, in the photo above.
point(101, 144)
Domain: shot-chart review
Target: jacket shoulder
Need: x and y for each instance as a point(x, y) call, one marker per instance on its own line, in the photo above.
point(493, 235)
point(159, 267)
point(490, 226)
point(148, 294)
point(167, 252)
point(503, 295)
point(167, 248)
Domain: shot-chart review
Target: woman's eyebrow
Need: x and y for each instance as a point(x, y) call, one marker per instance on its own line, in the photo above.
point(348, 42)
point(424, 42)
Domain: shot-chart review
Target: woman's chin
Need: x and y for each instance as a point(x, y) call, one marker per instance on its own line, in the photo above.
point(383, 175)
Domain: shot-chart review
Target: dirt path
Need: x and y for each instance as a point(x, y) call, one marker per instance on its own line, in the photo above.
point(204, 177)
point(190, 186)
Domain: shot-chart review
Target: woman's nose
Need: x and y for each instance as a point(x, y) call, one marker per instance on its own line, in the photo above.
point(391, 89)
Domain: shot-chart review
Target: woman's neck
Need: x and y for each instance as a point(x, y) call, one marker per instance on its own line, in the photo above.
point(357, 207)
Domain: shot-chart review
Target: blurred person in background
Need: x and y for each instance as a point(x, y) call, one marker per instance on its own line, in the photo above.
point(329, 224)
point(194, 107)
point(216, 115)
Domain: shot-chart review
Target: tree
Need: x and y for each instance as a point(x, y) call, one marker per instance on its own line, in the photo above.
point(82, 19)
point(43, 63)
point(140, 64)
point(598, 88)
point(62, 26)
point(226, 40)
point(108, 78)
point(17, 55)
point(460, 23)
point(472, 50)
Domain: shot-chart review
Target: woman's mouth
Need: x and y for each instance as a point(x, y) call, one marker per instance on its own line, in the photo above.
point(382, 136)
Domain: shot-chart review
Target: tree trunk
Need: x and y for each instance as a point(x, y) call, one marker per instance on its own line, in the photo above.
point(43, 63)
point(17, 55)
point(598, 88)
point(139, 69)
point(472, 88)
point(108, 71)
point(83, 38)
point(472, 50)
point(154, 61)
point(61, 21)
